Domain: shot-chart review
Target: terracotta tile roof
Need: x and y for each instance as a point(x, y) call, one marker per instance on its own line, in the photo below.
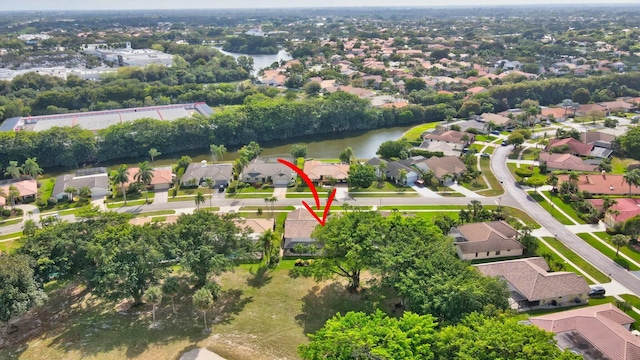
point(602, 184)
point(626, 207)
point(445, 165)
point(448, 136)
point(160, 176)
point(496, 119)
point(575, 146)
point(487, 237)
point(602, 325)
point(257, 226)
point(26, 187)
point(531, 279)
point(558, 113)
point(316, 170)
point(565, 162)
point(476, 90)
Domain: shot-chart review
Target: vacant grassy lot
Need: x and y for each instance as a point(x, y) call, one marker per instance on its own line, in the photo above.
point(576, 259)
point(611, 254)
point(257, 316)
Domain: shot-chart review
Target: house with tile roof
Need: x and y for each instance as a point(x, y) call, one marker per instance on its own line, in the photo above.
point(256, 227)
point(298, 227)
point(573, 146)
point(98, 182)
point(445, 165)
point(623, 210)
point(27, 189)
point(261, 171)
point(602, 184)
point(531, 283)
point(595, 332)
point(565, 162)
point(499, 120)
point(161, 180)
point(450, 136)
point(197, 173)
point(486, 240)
point(320, 172)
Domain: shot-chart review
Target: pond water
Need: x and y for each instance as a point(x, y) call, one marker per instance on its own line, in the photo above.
point(261, 61)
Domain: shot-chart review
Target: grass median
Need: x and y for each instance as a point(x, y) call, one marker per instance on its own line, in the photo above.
point(557, 201)
point(545, 251)
point(576, 259)
point(551, 209)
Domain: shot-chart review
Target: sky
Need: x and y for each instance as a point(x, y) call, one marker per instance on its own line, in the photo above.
point(20, 5)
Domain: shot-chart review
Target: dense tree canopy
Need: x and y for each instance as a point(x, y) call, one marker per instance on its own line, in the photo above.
point(19, 290)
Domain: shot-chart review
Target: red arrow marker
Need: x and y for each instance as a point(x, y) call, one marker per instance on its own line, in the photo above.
point(309, 183)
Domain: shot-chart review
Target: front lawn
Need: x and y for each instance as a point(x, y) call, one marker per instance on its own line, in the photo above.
point(384, 186)
point(557, 201)
point(576, 259)
point(611, 254)
point(546, 252)
point(415, 132)
point(9, 246)
point(628, 250)
point(551, 209)
point(46, 188)
point(496, 188)
point(130, 203)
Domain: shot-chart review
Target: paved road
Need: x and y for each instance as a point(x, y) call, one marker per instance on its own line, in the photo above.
point(518, 198)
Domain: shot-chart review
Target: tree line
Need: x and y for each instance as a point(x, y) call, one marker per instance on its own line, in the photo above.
point(260, 119)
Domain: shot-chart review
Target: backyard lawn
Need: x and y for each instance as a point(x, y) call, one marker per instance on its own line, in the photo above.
point(415, 132)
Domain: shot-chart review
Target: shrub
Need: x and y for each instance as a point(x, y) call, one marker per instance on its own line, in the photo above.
point(18, 212)
point(40, 202)
point(231, 189)
point(52, 201)
point(265, 186)
point(6, 212)
point(257, 185)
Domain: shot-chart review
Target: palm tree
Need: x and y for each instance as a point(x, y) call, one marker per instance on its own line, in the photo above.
point(382, 167)
point(631, 177)
point(170, 288)
point(217, 152)
point(84, 193)
point(566, 104)
point(402, 176)
point(209, 183)
point(575, 106)
point(153, 295)
point(608, 202)
point(269, 241)
point(574, 177)
point(71, 191)
point(144, 176)
point(13, 170)
point(199, 199)
point(346, 156)
point(12, 196)
point(490, 126)
point(271, 201)
point(31, 168)
point(619, 240)
point(29, 228)
point(4, 195)
point(202, 301)
point(154, 153)
point(121, 176)
point(552, 180)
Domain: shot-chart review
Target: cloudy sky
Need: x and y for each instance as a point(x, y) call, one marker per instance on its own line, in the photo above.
point(200, 4)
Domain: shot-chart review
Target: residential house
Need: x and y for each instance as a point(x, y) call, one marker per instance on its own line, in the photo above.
point(298, 227)
point(486, 240)
point(162, 178)
point(27, 189)
point(95, 179)
point(448, 149)
point(394, 169)
point(602, 143)
point(267, 172)
point(320, 172)
point(441, 166)
point(531, 284)
point(573, 146)
point(595, 332)
point(450, 136)
point(499, 120)
point(602, 184)
point(197, 173)
point(256, 227)
point(623, 210)
point(565, 162)
point(556, 113)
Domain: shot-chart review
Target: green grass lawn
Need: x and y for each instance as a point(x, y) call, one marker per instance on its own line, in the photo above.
point(132, 203)
point(154, 213)
point(476, 147)
point(485, 138)
point(136, 196)
point(10, 246)
point(611, 254)
point(422, 207)
point(545, 251)
point(251, 189)
point(489, 149)
point(536, 172)
point(415, 132)
point(530, 154)
point(409, 193)
point(551, 210)
point(11, 222)
point(430, 215)
point(496, 188)
point(46, 188)
point(476, 185)
point(518, 214)
point(557, 201)
point(264, 208)
point(628, 250)
point(619, 165)
point(10, 236)
point(633, 300)
point(576, 259)
point(382, 187)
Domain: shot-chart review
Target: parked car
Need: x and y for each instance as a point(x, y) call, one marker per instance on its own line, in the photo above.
point(221, 188)
point(419, 182)
point(484, 154)
point(495, 132)
point(504, 142)
point(597, 291)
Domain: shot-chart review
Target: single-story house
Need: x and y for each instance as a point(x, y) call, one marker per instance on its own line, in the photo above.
point(531, 284)
point(196, 173)
point(557, 113)
point(394, 168)
point(623, 210)
point(486, 240)
point(98, 182)
point(27, 188)
point(450, 136)
point(565, 162)
point(448, 149)
point(298, 227)
point(602, 143)
point(602, 184)
point(268, 172)
point(575, 147)
point(319, 171)
point(445, 165)
point(499, 120)
point(472, 124)
point(595, 332)
point(161, 180)
point(257, 227)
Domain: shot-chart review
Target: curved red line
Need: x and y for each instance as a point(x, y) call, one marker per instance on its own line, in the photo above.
point(305, 178)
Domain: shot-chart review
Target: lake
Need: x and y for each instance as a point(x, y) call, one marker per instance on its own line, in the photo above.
point(261, 61)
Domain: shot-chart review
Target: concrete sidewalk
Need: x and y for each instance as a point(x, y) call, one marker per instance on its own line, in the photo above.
point(425, 192)
point(463, 190)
